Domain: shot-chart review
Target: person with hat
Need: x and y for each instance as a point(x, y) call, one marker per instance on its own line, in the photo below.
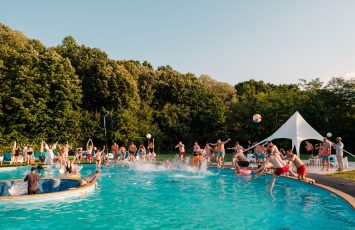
point(339, 149)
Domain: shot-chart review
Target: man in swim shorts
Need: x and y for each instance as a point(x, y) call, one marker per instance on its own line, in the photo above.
point(274, 161)
point(301, 167)
point(326, 151)
point(220, 151)
point(181, 147)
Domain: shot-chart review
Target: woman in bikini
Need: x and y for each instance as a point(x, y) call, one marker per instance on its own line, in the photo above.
point(98, 157)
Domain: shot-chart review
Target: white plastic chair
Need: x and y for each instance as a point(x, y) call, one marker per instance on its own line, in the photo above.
point(333, 160)
point(346, 162)
point(251, 157)
point(110, 156)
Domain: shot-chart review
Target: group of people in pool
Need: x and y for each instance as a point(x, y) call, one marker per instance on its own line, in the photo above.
point(273, 159)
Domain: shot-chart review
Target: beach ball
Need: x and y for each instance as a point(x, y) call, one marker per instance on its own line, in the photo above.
point(257, 118)
point(329, 135)
point(149, 136)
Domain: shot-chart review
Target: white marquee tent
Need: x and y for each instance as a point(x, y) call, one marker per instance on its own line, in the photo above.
point(296, 129)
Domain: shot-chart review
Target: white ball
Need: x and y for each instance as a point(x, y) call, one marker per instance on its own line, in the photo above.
point(329, 135)
point(149, 136)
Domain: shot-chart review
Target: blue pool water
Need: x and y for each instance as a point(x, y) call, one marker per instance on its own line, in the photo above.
point(150, 197)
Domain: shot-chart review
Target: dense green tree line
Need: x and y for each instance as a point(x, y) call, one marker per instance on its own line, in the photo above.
point(63, 93)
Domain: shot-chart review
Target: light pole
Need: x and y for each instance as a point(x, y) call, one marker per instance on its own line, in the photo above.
point(105, 127)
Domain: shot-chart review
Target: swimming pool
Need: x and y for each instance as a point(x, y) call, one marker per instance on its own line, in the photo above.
point(151, 197)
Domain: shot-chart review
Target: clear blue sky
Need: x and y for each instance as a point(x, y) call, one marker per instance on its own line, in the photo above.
point(232, 41)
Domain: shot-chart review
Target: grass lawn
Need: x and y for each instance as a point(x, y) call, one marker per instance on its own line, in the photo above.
point(346, 175)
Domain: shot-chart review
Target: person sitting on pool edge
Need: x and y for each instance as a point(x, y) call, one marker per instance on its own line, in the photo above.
point(301, 167)
point(33, 182)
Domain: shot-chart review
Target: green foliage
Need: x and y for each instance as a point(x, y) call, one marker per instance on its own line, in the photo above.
point(63, 93)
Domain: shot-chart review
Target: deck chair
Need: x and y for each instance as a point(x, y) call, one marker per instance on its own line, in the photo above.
point(7, 157)
point(333, 160)
point(37, 155)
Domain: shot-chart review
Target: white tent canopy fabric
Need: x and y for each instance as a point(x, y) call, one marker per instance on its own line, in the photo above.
point(296, 129)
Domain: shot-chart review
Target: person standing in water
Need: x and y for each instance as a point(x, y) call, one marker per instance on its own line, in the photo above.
point(33, 181)
point(220, 151)
point(181, 147)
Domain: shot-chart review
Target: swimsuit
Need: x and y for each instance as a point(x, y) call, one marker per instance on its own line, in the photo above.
point(325, 158)
point(221, 154)
point(282, 170)
point(29, 153)
point(182, 153)
point(301, 170)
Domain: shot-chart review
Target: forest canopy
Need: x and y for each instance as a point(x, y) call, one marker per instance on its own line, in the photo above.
point(62, 94)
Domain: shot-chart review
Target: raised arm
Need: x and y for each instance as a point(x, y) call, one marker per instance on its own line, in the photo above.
point(225, 142)
point(55, 145)
point(212, 144)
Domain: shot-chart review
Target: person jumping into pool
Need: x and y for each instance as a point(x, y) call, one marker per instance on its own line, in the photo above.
point(132, 149)
point(89, 148)
point(181, 147)
point(98, 157)
point(150, 150)
point(33, 181)
point(66, 148)
point(208, 153)
point(195, 148)
point(275, 161)
point(237, 151)
point(196, 161)
point(221, 151)
point(50, 154)
point(301, 167)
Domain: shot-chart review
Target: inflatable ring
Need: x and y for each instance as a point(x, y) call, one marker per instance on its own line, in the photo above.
point(243, 172)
